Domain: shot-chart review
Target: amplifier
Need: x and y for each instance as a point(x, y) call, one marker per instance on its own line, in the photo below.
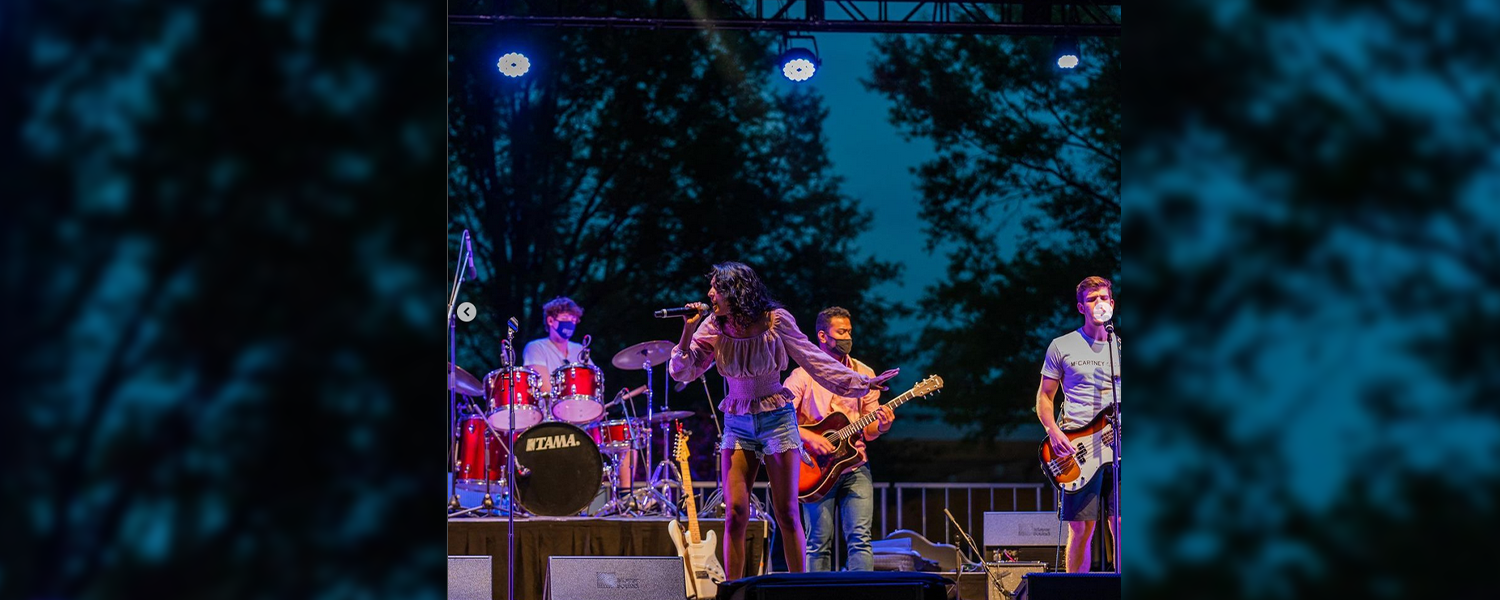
point(1009, 574)
point(1012, 529)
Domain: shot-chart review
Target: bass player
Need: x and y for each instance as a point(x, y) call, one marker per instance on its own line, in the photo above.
point(1079, 363)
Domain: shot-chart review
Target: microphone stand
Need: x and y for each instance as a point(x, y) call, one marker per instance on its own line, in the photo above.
point(994, 579)
point(1112, 342)
point(458, 279)
point(510, 478)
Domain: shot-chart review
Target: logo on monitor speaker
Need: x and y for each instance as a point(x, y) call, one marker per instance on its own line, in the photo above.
point(614, 581)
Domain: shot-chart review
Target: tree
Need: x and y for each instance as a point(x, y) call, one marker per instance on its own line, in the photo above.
point(1023, 196)
point(203, 306)
point(625, 165)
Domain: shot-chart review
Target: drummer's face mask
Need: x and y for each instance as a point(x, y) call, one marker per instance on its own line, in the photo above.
point(565, 329)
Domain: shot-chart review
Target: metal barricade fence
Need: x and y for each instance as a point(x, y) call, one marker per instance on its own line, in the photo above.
point(919, 507)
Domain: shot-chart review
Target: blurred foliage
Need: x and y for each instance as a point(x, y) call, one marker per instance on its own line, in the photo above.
point(622, 167)
point(1312, 255)
point(1022, 197)
point(210, 293)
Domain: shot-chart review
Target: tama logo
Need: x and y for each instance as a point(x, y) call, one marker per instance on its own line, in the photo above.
point(566, 440)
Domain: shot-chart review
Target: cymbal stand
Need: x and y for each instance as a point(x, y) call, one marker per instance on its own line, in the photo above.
point(663, 505)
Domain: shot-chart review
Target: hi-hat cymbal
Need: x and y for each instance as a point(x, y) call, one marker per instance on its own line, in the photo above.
point(670, 415)
point(633, 357)
point(464, 383)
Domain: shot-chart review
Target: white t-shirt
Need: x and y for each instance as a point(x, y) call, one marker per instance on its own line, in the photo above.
point(544, 352)
point(1082, 364)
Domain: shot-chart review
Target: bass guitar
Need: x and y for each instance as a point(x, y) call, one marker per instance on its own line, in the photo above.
point(1093, 447)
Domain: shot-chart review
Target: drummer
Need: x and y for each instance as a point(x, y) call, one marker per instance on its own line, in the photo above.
point(547, 354)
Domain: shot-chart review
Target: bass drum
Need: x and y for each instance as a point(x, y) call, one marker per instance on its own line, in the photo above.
point(562, 470)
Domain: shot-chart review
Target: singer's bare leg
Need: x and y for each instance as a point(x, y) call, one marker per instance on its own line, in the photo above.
point(784, 469)
point(1080, 536)
point(740, 468)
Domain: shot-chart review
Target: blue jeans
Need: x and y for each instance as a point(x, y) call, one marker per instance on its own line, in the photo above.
point(854, 493)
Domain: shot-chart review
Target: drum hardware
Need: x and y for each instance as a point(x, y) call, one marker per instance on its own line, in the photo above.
point(578, 393)
point(669, 415)
point(558, 469)
point(660, 485)
point(462, 382)
point(512, 393)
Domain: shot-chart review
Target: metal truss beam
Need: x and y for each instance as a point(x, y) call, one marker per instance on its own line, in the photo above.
point(1015, 17)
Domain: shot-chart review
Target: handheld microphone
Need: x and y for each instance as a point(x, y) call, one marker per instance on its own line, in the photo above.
point(470, 273)
point(681, 311)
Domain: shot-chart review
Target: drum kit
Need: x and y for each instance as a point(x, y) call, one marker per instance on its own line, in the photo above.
point(569, 456)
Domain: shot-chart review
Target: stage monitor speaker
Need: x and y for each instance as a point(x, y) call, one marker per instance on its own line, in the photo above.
point(1009, 574)
point(860, 585)
point(616, 578)
point(470, 578)
point(1070, 586)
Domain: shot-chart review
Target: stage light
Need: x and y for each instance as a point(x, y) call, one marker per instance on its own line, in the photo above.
point(1065, 51)
point(798, 64)
point(513, 64)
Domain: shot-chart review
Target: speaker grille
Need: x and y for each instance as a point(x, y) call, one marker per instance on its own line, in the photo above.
point(616, 578)
point(470, 578)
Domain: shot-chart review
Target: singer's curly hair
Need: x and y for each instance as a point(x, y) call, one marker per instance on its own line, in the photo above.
point(1091, 283)
point(748, 298)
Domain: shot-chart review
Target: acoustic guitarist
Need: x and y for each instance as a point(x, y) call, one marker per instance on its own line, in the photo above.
point(1079, 363)
point(853, 496)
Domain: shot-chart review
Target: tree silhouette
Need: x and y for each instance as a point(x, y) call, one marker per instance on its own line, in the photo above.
point(1023, 197)
point(626, 164)
point(207, 249)
point(1309, 240)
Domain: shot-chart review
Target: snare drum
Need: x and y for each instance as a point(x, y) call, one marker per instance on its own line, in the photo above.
point(579, 393)
point(513, 390)
point(472, 472)
point(617, 436)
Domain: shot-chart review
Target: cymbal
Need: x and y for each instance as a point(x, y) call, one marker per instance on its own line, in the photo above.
point(670, 415)
point(464, 383)
point(633, 357)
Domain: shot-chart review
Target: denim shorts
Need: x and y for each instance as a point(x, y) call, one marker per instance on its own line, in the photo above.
point(770, 432)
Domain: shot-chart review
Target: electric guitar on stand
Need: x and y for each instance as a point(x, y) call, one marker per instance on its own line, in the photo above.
point(699, 555)
point(1093, 447)
point(819, 473)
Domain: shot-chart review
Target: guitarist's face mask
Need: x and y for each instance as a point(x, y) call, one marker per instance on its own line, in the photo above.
point(843, 346)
